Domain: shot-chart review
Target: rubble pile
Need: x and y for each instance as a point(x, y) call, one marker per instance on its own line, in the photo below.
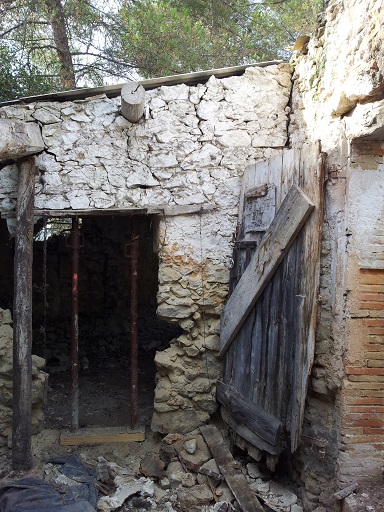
point(183, 476)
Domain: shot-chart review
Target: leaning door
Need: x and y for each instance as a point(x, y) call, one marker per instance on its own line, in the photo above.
point(268, 324)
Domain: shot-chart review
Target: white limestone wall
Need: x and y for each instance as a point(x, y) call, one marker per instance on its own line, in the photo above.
point(191, 149)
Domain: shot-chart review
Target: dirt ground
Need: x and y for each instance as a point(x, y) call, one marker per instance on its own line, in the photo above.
point(103, 390)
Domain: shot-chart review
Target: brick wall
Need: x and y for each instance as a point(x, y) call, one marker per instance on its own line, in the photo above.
point(363, 396)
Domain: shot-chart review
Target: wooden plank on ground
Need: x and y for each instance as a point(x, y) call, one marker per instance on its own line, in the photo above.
point(229, 469)
point(291, 217)
point(101, 435)
point(246, 412)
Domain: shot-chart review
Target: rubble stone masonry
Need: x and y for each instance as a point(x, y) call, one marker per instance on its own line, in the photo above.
point(191, 149)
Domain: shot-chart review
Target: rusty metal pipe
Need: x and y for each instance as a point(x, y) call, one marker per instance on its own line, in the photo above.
point(134, 254)
point(75, 245)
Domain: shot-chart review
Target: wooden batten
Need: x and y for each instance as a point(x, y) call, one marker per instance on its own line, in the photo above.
point(245, 412)
point(288, 222)
point(22, 319)
point(132, 101)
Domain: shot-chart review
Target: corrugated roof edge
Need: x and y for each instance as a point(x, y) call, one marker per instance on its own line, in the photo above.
point(112, 91)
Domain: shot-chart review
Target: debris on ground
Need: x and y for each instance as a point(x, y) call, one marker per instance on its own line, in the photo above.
point(183, 475)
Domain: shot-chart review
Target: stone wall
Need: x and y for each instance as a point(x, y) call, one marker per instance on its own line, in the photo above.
point(337, 99)
point(39, 383)
point(191, 149)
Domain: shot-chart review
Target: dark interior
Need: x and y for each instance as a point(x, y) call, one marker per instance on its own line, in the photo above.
point(104, 316)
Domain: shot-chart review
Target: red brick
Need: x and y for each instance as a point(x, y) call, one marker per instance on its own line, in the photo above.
point(365, 409)
point(350, 370)
point(374, 347)
point(376, 330)
point(371, 305)
point(371, 431)
point(366, 401)
point(375, 363)
point(367, 378)
point(372, 322)
point(376, 297)
point(364, 439)
point(364, 422)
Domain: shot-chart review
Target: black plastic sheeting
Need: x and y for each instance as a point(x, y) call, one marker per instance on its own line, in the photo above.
point(35, 495)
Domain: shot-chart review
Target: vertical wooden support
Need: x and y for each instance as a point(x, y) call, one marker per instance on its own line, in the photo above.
point(134, 254)
point(22, 318)
point(75, 245)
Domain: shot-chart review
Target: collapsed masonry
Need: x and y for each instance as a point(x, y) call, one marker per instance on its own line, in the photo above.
point(183, 162)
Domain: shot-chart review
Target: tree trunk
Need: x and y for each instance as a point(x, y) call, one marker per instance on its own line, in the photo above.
point(60, 36)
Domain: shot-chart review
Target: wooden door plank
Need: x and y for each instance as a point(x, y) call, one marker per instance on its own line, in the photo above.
point(246, 412)
point(229, 469)
point(288, 222)
point(246, 433)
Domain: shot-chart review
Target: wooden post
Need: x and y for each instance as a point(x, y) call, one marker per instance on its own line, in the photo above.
point(132, 101)
point(22, 319)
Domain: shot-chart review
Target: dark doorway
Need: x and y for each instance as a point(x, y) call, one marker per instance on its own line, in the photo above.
point(104, 319)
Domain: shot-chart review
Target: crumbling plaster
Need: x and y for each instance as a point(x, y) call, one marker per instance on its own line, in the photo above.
point(337, 98)
point(191, 149)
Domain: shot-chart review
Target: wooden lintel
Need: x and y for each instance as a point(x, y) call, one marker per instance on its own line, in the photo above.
point(102, 435)
point(166, 210)
point(229, 469)
point(291, 217)
point(22, 319)
point(185, 209)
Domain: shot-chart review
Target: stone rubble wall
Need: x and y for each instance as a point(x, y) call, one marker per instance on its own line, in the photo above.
point(337, 99)
point(191, 149)
point(39, 383)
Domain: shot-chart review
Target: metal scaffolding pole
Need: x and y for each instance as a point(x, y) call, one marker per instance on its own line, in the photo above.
point(75, 245)
point(134, 255)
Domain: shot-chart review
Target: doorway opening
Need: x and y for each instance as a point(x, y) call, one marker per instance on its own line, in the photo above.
point(104, 284)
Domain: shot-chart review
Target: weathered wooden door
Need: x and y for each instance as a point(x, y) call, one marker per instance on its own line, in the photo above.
point(268, 324)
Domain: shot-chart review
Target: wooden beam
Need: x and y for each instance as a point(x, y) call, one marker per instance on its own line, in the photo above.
point(230, 470)
point(22, 319)
point(291, 217)
point(101, 436)
point(166, 210)
point(19, 139)
point(246, 412)
point(132, 101)
point(246, 433)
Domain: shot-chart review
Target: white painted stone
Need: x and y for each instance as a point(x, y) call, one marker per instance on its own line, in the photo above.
point(81, 118)
point(208, 110)
point(8, 180)
point(235, 138)
point(45, 116)
point(78, 202)
point(19, 139)
point(162, 160)
point(174, 92)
